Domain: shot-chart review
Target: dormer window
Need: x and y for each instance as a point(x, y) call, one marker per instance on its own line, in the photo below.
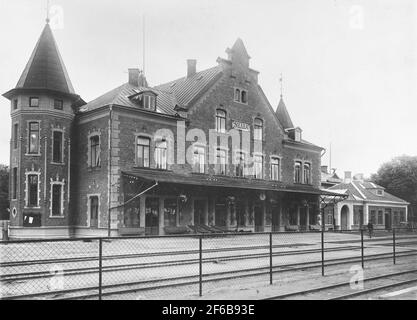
point(380, 192)
point(149, 102)
point(146, 100)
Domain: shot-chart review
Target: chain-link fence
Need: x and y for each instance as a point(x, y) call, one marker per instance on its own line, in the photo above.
point(187, 267)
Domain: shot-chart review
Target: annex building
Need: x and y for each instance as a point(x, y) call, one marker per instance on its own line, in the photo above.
point(206, 152)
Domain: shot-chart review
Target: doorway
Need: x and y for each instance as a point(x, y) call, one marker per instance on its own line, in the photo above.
point(258, 218)
point(199, 210)
point(344, 218)
point(152, 216)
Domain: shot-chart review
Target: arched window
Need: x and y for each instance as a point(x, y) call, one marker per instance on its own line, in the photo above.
point(237, 95)
point(221, 121)
point(307, 173)
point(258, 129)
point(244, 97)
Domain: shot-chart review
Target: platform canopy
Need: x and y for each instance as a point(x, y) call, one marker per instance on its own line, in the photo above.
point(221, 182)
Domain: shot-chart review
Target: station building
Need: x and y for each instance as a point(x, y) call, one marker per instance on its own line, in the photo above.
point(202, 153)
point(364, 202)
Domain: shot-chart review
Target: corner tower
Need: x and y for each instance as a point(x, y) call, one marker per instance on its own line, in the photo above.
point(42, 112)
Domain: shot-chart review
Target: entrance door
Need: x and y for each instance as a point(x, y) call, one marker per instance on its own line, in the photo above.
point(199, 210)
point(258, 219)
point(387, 219)
point(221, 213)
point(152, 216)
point(240, 214)
point(303, 218)
point(344, 218)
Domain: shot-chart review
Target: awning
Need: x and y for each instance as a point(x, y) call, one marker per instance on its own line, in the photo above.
point(196, 179)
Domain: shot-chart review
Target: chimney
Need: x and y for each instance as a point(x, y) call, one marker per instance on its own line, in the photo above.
point(348, 176)
point(191, 67)
point(134, 77)
point(325, 169)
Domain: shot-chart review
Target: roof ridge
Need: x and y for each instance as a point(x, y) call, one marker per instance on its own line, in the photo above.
point(185, 77)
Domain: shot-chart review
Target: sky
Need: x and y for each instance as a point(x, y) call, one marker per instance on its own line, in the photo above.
point(349, 67)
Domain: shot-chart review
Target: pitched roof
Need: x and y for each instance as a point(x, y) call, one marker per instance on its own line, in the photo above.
point(165, 101)
point(364, 191)
point(45, 68)
point(283, 115)
point(187, 89)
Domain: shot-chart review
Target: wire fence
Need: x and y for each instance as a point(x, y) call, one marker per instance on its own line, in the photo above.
point(187, 267)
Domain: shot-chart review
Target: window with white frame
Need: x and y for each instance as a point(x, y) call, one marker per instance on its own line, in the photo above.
point(220, 121)
point(33, 102)
point(221, 161)
point(57, 199)
point(297, 173)
point(275, 168)
point(32, 189)
point(199, 159)
point(34, 139)
point(149, 102)
point(95, 154)
point(307, 173)
point(143, 152)
point(161, 148)
point(258, 166)
point(258, 129)
point(240, 164)
point(57, 146)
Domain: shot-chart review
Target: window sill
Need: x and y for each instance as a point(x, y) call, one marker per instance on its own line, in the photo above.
point(32, 208)
point(92, 169)
point(57, 217)
point(32, 154)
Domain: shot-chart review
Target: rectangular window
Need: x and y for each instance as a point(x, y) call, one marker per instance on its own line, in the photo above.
point(14, 190)
point(95, 151)
point(57, 147)
point(143, 150)
point(56, 200)
point(94, 212)
point(149, 102)
point(258, 129)
point(307, 173)
point(380, 217)
point(161, 155)
point(199, 160)
point(240, 164)
point(275, 168)
point(356, 217)
point(221, 162)
point(34, 102)
point(33, 137)
point(170, 212)
point(15, 135)
point(297, 175)
point(15, 104)
point(329, 218)
point(220, 121)
point(258, 167)
point(58, 104)
point(402, 216)
point(33, 190)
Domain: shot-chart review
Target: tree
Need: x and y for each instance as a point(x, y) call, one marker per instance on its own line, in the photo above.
point(4, 192)
point(399, 177)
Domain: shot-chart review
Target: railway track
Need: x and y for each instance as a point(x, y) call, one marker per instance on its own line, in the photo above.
point(90, 292)
point(334, 289)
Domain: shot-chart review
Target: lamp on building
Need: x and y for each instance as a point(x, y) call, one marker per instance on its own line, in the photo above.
point(262, 196)
point(183, 198)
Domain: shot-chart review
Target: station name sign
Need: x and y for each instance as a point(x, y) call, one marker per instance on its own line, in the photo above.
point(240, 125)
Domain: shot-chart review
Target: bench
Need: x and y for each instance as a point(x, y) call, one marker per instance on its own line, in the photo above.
point(125, 231)
point(315, 227)
point(177, 230)
point(292, 228)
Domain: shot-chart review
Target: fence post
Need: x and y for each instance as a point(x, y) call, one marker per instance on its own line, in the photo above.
point(270, 258)
point(362, 255)
point(200, 265)
point(393, 244)
point(100, 267)
point(322, 251)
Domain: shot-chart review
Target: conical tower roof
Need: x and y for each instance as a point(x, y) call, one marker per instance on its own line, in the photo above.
point(283, 115)
point(45, 69)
